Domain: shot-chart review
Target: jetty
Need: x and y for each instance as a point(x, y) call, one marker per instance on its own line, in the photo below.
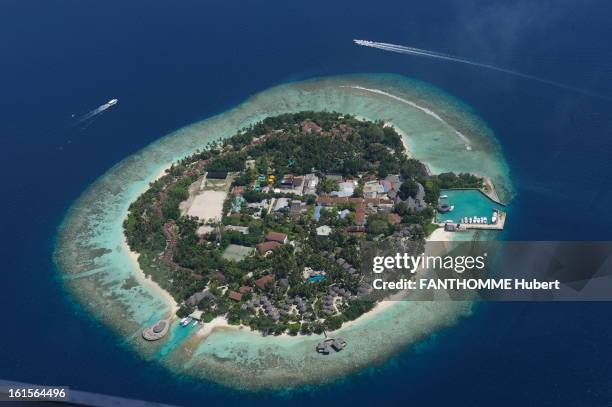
point(157, 330)
point(451, 226)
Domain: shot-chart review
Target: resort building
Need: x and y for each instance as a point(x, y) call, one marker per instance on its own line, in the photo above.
point(233, 295)
point(373, 189)
point(262, 282)
point(157, 331)
point(450, 227)
point(195, 299)
point(297, 208)
point(324, 230)
point(216, 175)
point(281, 203)
point(242, 229)
point(418, 202)
point(345, 189)
point(360, 215)
point(267, 247)
point(276, 237)
point(310, 126)
point(310, 184)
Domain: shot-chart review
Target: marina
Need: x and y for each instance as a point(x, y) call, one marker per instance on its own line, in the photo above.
point(462, 209)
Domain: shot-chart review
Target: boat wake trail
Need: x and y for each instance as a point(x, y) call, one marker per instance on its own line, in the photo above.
point(438, 55)
point(100, 109)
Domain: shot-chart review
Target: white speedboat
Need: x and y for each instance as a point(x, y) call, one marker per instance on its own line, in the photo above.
point(443, 196)
point(195, 322)
point(185, 321)
point(112, 102)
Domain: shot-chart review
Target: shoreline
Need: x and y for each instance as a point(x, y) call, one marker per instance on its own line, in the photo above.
point(139, 275)
point(403, 137)
point(208, 328)
point(147, 281)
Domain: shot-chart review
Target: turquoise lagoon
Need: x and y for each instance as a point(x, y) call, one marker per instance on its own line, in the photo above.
point(97, 270)
point(467, 203)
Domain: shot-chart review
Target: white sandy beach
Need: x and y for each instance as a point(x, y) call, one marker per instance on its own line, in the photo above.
point(403, 137)
point(440, 235)
point(209, 327)
point(139, 274)
point(148, 282)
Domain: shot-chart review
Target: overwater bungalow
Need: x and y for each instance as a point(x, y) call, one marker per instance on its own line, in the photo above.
point(338, 344)
point(325, 347)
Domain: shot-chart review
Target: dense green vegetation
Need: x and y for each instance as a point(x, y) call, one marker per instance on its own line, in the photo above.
point(329, 146)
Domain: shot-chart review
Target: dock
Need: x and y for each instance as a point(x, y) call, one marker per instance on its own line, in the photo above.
point(458, 227)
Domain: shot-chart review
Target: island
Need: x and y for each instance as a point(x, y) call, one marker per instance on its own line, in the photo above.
point(199, 212)
point(265, 228)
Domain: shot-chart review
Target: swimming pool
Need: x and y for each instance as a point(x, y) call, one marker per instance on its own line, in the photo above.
point(467, 203)
point(316, 279)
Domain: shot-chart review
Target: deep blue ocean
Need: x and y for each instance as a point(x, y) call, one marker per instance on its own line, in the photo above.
point(172, 63)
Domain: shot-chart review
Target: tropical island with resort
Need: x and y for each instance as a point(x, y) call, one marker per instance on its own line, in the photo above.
point(236, 249)
point(265, 228)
